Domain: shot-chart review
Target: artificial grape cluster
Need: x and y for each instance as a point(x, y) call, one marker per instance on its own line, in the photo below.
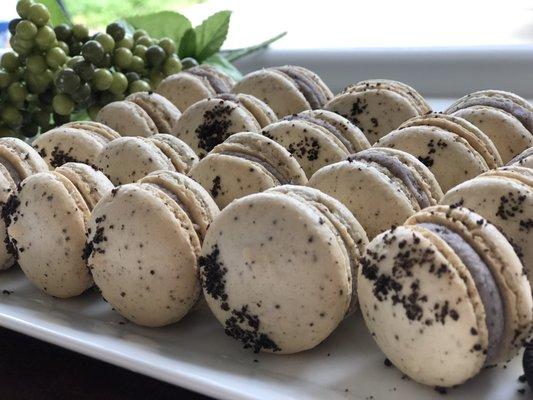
point(53, 73)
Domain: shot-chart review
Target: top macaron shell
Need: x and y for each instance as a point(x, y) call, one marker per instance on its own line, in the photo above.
point(127, 118)
point(378, 106)
point(211, 121)
point(164, 114)
point(524, 159)
point(194, 84)
point(257, 277)
point(287, 90)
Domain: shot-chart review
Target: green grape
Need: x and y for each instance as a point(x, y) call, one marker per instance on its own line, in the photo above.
point(29, 129)
point(39, 83)
point(106, 40)
point(155, 78)
point(155, 55)
point(139, 33)
point(137, 64)
point(119, 84)
point(93, 111)
point(122, 57)
point(145, 41)
point(38, 14)
point(84, 69)
point(127, 42)
point(36, 63)
point(63, 46)
point(10, 61)
point(46, 97)
point(67, 81)
point(62, 104)
point(102, 79)
point(63, 32)
point(41, 118)
point(106, 61)
point(23, 7)
point(12, 26)
point(82, 94)
point(75, 48)
point(17, 93)
point(22, 46)
point(80, 31)
point(92, 51)
point(189, 62)
point(172, 65)
point(5, 79)
point(60, 119)
point(55, 57)
point(45, 38)
point(139, 86)
point(6, 132)
point(73, 60)
point(26, 30)
point(140, 51)
point(132, 76)
point(168, 45)
point(116, 31)
point(11, 116)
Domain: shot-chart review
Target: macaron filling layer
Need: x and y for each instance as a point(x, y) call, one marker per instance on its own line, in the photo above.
point(324, 124)
point(484, 281)
point(306, 86)
point(218, 85)
point(399, 170)
point(12, 169)
point(271, 169)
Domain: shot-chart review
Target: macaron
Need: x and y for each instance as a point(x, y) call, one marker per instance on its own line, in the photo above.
point(378, 106)
point(278, 268)
point(46, 224)
point(444, 296)
point(211, 121)
point(246, 163)
point(504, 197)
point(140, 114)
point(524, 159)
point(128, 159)
point(18, 160)
point(451, 147)
point(287, 89)
point(143, 243)
point(194, 84)
point(370, 181)
point(79, 141)
point(317, 138)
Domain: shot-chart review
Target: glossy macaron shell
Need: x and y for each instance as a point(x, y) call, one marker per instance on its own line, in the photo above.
point(183, 158)
point(96, 127)
point(160, 110)
point(524, 159)
point(20, 159)
point(259, 109)
point(127, 118)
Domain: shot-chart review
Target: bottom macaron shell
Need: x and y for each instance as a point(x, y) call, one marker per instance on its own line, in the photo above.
point(48, 231)
point(141, 259)
point(227, 178)
point(274, 274)
point(417, 308)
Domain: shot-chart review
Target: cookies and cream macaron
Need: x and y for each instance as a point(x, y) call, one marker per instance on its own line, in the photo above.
point(79, 141)
point(504, 197)
point(246, 163)
point(46, 224)
point(211, 121)
point(143, 243)
point(378, 106)
point(317, 138)
point(287, 89)
point(444, 296)
point(140, 114)
point(18, 160)
point(451, 147)
point(277, 268)
point(381, 187)
point(194, 84)
point(128, 158)
point(524, 159)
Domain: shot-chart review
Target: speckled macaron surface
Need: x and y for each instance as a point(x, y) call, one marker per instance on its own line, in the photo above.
point(382, 187)
point(524, 159)
point(276, 271)
point(143, 245)
point(378, 106)
point(287, 89)
point(246, 163)
point(160, 110)
point(504, 197)
point(194, 84)
point(47, 225)
point(127, 118)
point(444, 296)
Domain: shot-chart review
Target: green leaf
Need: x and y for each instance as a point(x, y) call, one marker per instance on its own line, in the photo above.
point(162, 24)
point(232, 55)
point(211, 34)
point(221, 63)
point(187, 46)
point(58, 12)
